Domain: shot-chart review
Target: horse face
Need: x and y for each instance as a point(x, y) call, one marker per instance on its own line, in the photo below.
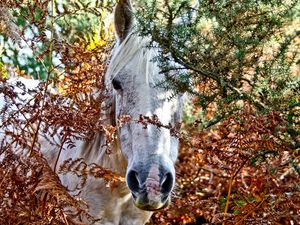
point(150, 151)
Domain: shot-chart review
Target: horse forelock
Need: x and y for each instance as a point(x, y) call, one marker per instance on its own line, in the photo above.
point(126, 51)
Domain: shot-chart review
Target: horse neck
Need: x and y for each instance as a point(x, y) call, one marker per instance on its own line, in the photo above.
point(96, 151)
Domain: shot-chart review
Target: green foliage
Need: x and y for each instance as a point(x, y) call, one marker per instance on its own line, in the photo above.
point(227, 52)
point(79, 21)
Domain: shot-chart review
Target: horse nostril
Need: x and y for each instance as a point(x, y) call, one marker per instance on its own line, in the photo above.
point(167, 183)
point(133, 181)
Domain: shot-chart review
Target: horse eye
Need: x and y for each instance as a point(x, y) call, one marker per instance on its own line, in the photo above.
point(116, 84)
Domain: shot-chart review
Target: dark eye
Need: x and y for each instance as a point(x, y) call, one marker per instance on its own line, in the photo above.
point(116, 84)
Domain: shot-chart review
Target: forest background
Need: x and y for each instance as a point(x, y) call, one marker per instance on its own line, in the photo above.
point(240, 138)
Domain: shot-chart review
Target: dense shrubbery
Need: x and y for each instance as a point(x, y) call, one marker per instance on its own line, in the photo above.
point(239, 61)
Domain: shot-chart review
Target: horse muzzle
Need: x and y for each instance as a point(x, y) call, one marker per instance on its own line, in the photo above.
point(151, 188)
point(143, 202)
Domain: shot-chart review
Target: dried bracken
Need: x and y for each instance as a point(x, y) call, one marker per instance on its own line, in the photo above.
point(243, 170)
point(69, 104)
point(240, 172)
point(31, 192)
point(83, 170)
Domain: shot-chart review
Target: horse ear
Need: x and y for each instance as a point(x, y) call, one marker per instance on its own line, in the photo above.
point(123, 19)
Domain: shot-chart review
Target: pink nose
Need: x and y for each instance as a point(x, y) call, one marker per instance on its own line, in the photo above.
point(153, 189)
point(156, 182)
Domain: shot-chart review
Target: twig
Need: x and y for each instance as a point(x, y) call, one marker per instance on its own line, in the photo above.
point(64, 216)
point(251, 211)
point(230, 187)
point(59, 152)
point(35, 136)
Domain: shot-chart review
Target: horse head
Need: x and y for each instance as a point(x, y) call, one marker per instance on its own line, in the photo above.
point(150, 151)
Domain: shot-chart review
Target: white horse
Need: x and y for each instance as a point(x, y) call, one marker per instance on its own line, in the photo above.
point(145, 157)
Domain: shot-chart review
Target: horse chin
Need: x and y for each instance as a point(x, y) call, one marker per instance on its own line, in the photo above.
point(151, 206)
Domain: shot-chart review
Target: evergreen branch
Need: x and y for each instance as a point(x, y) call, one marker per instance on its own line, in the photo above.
point(256, 102)
point(219, 79)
